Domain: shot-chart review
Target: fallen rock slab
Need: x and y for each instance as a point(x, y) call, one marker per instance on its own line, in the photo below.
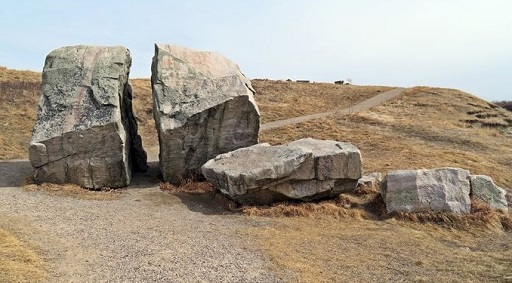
point(306, 169)
point(483, 188)
point(443, 189)
point(203, 106)
point(85, 131)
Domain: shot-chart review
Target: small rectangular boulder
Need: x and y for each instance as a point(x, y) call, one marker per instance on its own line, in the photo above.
point(442, 189)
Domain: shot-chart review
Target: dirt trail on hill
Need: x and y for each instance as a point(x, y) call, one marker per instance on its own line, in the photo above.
point(367, 104)
point(145, 235)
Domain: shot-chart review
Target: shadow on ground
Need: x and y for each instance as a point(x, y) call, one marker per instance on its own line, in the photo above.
point(207, 203)
point(149, 179)
point(13, 173)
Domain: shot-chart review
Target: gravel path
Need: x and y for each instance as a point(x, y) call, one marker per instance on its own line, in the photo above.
point(144, 236)
point(367, 104)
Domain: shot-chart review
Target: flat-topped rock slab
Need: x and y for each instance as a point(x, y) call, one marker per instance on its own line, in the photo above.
point(306, 169)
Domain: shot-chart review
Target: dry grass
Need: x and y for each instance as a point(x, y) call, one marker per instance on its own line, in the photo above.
point(143, 108)
point(19, 96)
point(278, 100)
point(11, 75)
point(74, 191)
point(350, 238)
point(189, 187)
point(365, 203)
point(18, 261)
point(424, 128)
point(326, 249)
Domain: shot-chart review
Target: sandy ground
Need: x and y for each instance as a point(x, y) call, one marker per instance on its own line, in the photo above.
point(146, 235)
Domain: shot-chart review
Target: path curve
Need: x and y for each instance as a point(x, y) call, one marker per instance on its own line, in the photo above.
point(367, 104)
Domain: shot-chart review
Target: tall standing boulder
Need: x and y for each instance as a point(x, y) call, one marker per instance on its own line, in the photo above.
point(442, 189)
point(85, 131)
point(203, 106)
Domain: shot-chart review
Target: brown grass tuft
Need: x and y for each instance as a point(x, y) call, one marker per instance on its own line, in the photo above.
point(188, 186)
point(481, 216)
point(343, 206)
point(18, 261)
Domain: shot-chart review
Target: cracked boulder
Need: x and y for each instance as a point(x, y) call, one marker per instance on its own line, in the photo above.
point(203, 106)
point(86, 132)
point(442, 189)
point(307, 169)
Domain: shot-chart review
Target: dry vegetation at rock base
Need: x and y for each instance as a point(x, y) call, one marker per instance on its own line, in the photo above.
point(343, 240)
point(353, 238)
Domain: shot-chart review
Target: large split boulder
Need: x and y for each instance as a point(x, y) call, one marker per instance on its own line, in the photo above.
point(203, 106)
point(484, 189)
point(85, 131)
point(306, 169)
point(443, 189)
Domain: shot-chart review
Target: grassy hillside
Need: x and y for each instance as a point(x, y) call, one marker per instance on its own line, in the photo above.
point(505, 104)
point(424, 128)
point(19, 95)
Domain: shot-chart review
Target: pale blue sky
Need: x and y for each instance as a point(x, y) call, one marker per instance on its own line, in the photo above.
point(464, 44)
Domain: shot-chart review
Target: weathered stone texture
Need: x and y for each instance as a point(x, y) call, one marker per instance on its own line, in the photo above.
point(483, 188)
point(203, 106)
point(85, 132)
point(305, 170)
point(443, 189)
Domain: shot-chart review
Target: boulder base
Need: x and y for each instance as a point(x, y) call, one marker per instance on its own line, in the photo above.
point(306, 169)
point(86, 132)
point(203, 106)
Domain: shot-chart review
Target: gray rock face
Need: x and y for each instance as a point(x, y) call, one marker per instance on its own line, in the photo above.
point(85, 131)
point(203, 106)
point(370, 180)
point(306, 169)
point(483, 188)
point(443, 189)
